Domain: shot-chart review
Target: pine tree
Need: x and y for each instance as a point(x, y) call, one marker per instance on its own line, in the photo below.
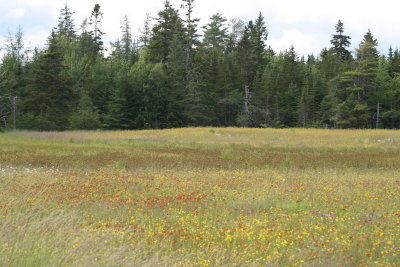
point(367, 64)
point(191, 35)
point(95, 20)
point(259, 36)
point(66, 24)
point(356, 110)
point(341, 43)
point(12, 78)
point(236, 33)
point(86, 116)
point(213, 68)
point(312, 94)
point(126, 41)
point(116, 115)
point(251, 54)
point(215, 32)
point(168, 25)
point(394, 64)
point(146, 31)
point(86, 42)
point(175, 67)
point(50, 93)
point(12, 67)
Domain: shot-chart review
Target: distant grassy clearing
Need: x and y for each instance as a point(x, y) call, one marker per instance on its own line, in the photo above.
point(200, 197)
point(319, 138)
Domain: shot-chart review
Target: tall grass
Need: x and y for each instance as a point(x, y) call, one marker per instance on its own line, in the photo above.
point(184, 197)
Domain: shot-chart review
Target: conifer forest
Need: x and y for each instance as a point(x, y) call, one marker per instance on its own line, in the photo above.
point(178, 74)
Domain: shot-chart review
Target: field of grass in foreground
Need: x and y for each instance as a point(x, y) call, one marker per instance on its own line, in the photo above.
point(200, 196)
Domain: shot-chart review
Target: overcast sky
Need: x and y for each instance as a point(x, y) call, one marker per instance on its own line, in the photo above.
point(307, 24)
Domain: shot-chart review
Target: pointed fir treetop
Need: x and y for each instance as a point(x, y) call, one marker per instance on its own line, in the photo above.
point(146, 31)
point(191, 23)
point(126, 40)
point(341, 42)
point(14, 45)
point(367, 49)
point(339, 27)
point(168, 24)
point(369, 38)
point(291, 54)
point(215, 32)
point(260, 28)
point(95, 20)
point(66, 24)
point(390, 53)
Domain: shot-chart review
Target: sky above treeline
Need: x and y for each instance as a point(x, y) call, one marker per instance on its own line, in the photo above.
point(307, 24)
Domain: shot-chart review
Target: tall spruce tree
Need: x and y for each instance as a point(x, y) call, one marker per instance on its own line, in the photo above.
point(50, 92)
point(128, 48)
point(191, 35)
point(356, 110)
point(66, 24)
point(340, 42)
point(146, 31)
point(95, 20)
point(215, 32)
point(168, 24)
point(12, 78)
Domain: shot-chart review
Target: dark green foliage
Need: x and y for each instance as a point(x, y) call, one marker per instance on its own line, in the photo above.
point(116, 113)
point(95, 20)
point(357, 95)
point(171, 77)
point(341, 43)
point(169, 24)
point(66, 25)
point(49, 90)
point(86, 116)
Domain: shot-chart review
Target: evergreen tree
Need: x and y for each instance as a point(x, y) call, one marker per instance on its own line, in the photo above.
point(12, 64)
point(86, 42)
point(50, 92)
point(251, 54)
point(168, 25)
point(95, 20)
point(191, 35)
point(356, 110)
point(394, 64)
point(312, 94)
point(66, 24)
point(212, 66)
point(12, 78)
point(236, 33)
point(215, 32)
point(341, 43)
point(230, 77)
point(127, 42)
point(116, 114)
point(146, 31)
point(86, 116)
point(175, 67)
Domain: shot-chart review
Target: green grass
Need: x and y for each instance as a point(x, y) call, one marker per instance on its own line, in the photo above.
point(200, 196)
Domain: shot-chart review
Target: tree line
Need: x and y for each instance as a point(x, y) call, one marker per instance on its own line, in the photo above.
point(176, 74)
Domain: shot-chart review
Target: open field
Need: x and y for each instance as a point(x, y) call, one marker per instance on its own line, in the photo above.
point(200, 196)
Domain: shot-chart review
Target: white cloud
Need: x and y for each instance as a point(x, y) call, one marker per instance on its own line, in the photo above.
point(16, 13)
point(304, 44)
point(306, 24)
point(38, 37)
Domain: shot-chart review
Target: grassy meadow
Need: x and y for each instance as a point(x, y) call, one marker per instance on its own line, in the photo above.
point(200, 197)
